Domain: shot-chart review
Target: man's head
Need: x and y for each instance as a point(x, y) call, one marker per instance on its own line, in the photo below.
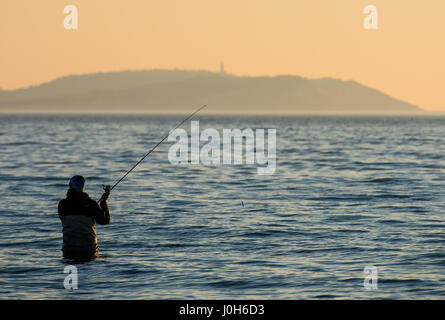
point(77, 183)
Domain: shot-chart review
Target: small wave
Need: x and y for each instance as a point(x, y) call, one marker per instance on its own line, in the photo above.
point(235, 284)
point(383, 180)
point(179, 203)
point(326, 296)
point(403, 282)
point(266, 233)
point(392, 195)
point(391, 221)
point(343, 198)
point(345, 217)
point(21, 143)
point(433, 166)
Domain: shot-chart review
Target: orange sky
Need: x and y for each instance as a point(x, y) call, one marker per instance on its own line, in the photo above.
point(311, 38)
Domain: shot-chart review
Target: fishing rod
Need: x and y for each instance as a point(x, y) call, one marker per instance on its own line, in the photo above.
point(109, 188)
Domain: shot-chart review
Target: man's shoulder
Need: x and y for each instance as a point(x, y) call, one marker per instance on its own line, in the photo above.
point(90, 201)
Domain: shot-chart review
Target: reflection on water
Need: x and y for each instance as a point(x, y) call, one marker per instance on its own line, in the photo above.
point(348, 192)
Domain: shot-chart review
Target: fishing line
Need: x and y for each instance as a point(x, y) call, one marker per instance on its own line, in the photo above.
point(108, 188)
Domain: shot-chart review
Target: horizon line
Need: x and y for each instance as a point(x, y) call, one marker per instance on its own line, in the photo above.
point(420, 113)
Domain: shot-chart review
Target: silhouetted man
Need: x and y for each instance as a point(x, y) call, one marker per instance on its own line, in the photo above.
point(79, 213)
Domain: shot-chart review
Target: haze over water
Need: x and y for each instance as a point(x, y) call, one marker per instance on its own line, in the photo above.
point(347, 192)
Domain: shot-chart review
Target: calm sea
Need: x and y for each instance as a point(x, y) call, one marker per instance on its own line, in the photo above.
point(348, 192)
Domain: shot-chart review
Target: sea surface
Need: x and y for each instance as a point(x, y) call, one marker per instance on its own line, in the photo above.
point(347, 193)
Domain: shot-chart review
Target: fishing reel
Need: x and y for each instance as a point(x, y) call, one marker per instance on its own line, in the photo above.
point(107, 189)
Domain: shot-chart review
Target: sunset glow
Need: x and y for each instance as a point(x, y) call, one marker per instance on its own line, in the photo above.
point(403, 58)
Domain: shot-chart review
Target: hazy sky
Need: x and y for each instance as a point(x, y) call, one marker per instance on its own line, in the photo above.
point(405, 57)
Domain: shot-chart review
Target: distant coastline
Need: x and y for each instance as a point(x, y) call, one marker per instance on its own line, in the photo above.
point(178, 91)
